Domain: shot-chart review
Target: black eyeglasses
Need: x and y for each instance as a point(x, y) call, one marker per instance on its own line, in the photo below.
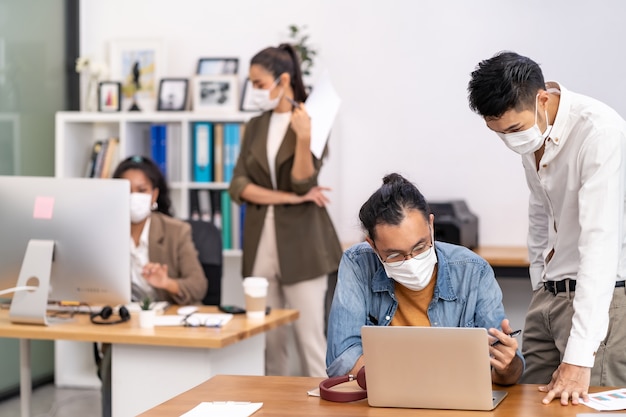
point(199, 320)
point(396, 259)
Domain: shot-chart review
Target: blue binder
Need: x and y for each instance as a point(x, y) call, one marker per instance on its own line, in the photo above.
point(231, 149)
point(158, 145)
point(203, 152)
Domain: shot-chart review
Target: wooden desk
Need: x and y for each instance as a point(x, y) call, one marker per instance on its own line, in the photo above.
point(151, 364)
point(504, 256)
point(287, 397)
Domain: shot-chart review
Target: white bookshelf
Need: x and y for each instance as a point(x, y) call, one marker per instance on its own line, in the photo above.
point(76, 133)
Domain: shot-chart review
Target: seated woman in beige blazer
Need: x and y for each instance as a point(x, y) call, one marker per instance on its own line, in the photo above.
point(164, 260)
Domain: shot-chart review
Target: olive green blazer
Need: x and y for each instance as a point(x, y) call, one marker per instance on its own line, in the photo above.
point(307, 243)
point(170, 243)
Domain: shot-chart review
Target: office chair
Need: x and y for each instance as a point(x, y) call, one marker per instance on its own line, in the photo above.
point(208, 241)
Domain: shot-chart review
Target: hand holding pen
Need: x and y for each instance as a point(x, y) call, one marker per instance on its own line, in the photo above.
point(300, 120)
point(512, 334)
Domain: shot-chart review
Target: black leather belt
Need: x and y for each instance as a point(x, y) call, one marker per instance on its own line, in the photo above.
point(556, 287)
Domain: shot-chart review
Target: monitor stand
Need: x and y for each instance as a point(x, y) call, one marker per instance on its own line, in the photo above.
point(29, 307)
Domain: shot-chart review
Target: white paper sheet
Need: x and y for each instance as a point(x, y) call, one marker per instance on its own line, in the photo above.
point(322, 106)
point(607, 400)
point(223, 409)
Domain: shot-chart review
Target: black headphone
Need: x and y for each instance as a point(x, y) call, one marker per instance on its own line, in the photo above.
point(106, 313)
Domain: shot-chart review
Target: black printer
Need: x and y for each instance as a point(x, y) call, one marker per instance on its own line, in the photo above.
point(454, 223)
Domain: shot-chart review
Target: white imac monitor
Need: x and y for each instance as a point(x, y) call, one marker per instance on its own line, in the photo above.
point(69, 237)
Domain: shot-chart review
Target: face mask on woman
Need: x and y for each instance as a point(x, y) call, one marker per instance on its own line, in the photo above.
point(261, 98)
point(140, 206)
point(528, 140)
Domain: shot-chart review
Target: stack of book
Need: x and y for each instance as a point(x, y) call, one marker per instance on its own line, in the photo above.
point(103, 158)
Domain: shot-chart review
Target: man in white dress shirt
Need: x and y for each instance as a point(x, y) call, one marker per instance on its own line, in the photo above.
point(573, 151)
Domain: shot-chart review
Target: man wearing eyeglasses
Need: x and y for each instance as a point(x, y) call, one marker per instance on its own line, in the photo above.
point(402, 277)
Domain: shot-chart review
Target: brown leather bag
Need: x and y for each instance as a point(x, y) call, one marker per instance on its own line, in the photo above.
point(329, 394)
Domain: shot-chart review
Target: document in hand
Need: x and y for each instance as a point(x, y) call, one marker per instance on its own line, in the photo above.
point(223, 409)
point(322, 106)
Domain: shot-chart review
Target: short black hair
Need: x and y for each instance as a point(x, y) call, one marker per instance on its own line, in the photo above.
point(389, 203)
point(504, 82)
point(154, 175)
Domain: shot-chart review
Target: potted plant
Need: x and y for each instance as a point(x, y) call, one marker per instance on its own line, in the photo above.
point(147, 314)
point(300, 41)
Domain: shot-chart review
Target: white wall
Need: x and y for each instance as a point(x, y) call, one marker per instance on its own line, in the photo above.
point(401, 68)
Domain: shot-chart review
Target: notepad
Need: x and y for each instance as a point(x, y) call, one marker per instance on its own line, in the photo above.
point(223, 409)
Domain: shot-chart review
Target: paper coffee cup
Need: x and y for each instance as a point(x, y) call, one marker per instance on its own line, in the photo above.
point(255, 291)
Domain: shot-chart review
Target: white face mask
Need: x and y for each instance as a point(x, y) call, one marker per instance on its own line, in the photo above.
point(140, 206)
point(415, 274)
point(261, 98)
point(528, 140)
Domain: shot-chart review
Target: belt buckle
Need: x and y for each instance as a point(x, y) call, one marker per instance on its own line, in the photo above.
point(552, 288)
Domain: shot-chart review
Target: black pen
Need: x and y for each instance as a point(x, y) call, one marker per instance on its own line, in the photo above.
point(513, 334)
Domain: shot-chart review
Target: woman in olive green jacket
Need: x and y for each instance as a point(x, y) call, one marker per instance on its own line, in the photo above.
point(288, 235)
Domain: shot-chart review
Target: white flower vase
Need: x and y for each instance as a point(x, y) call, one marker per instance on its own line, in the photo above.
point(146, 319)
point(90, 101)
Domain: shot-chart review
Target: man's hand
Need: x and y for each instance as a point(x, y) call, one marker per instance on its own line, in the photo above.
point(506, 366)
point(568, 382)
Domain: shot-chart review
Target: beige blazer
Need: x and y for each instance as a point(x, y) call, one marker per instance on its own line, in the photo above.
point(170, 243)
point(308, 246)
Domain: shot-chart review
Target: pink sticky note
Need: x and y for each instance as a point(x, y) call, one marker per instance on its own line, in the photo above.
point(43, 208)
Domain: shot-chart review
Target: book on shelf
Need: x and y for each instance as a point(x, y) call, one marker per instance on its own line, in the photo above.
point(218, 152)
point(235, 225)
point(204, 205)
point(231, 148)
point(109, 161)
point(194, 205)
point(93, 156)
point(158, 145)
point(226, 220)
point(173, 152)
point(203, 151)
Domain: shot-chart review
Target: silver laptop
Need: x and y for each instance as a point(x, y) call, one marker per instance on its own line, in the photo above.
point(428, 367)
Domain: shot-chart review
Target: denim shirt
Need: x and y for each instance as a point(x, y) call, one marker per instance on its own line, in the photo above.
point(466, 295)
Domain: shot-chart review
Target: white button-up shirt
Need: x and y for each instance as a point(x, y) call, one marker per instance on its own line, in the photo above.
point(139, 259)
point(576, 213)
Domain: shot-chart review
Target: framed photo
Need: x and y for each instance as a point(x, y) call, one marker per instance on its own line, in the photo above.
point(138, 65)
point(109, 96)
point(215, 93)
point(217, 66)
point(246, 98)
point(172, 94)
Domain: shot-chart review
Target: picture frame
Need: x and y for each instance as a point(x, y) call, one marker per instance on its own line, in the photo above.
point(246, 98)
point(172, 94)
point(109, 96)
point(217, 66)
point(138, 64)
point(218, 93)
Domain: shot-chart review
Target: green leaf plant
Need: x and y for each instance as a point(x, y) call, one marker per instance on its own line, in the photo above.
point(300, 41)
